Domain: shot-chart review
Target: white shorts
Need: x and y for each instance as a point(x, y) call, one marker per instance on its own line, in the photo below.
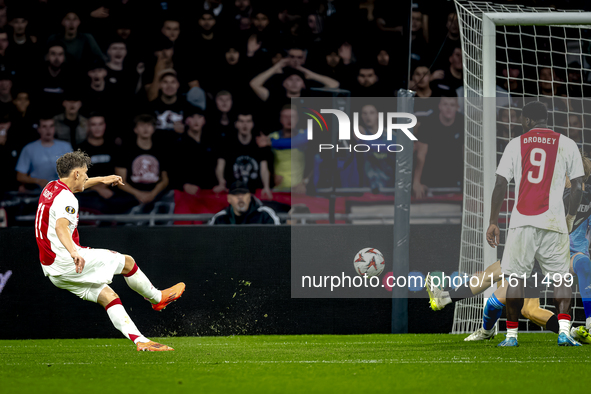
point(99, 268)
point(526, 244)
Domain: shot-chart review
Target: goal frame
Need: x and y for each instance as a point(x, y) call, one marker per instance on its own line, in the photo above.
point(479, 32)
point(490, 21)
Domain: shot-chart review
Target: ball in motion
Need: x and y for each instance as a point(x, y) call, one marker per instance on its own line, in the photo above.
point(369, 262)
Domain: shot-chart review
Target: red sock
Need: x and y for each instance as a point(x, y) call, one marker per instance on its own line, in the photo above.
point(512, 324)
point(563, 316)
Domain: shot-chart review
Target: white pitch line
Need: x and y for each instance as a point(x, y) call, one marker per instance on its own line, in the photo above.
point(360, 361)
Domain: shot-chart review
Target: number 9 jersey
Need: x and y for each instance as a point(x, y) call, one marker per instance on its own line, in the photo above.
point(539, 161)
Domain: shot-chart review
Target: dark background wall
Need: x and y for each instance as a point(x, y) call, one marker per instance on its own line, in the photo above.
point(238, 282)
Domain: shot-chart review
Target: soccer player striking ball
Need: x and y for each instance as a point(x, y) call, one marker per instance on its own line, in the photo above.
point(83, 271)
point(539, 160)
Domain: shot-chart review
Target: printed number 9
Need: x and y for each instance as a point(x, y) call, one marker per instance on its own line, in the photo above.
point(537, 163)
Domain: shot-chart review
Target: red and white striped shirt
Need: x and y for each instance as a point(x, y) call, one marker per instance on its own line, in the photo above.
point(56, 201)
point(539, 161)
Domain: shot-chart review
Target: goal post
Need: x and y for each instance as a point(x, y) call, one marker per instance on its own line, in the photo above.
point(481, 23)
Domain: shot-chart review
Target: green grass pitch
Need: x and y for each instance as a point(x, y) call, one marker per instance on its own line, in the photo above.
point(286, 364)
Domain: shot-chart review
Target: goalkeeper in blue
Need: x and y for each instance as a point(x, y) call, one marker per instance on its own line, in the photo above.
point(580, 262)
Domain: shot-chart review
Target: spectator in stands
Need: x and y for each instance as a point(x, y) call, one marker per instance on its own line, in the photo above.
point(102, 156)
point(5, 63)
point(442, 129)
point(171, 28)
point(5, 90)
point(207, 43)
point(508, 127)
point(194, 168)
point(70, 126)
point(207, 40)
point(243, 160)
point(169, 107)
point(293, 83)
point(419, 45)
point(548, 81)
point(289, 153)
point(452, 77)
point(574, 127)
point(223, 118)
point(243, 10)
point(367, 84)
point(3, 16)
point(81, 48)
point(236, 71)
point(338, 64)
point(511, 81)
point(125, 81)
point(244, 208)
point(574, 88)
point(100, 95)
point(142, 164)
point(10, 148)
point(452, 41)
point(424, 90)
point(22, 119)
point(389, 72)
point(261, 38)
point(23, 48)
point(54, 78)
point(378, 165)
point(162, 60)
point(36, 163)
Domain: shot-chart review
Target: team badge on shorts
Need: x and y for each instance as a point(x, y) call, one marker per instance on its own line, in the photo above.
point(70, 210)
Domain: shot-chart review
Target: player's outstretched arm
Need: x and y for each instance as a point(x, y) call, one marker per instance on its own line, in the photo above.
point(63, 234)
point(111, 180)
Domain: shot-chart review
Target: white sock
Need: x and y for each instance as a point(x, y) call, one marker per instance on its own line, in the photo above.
point(123, 323)
point(588, 323)
point(446, 298)
point(140, 283)
point(564, 326)
point(512, 332)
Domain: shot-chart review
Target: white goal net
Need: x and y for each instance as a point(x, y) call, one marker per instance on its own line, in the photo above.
point(511, 55)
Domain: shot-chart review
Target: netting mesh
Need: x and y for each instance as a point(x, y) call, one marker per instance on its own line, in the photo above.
point(548, 63)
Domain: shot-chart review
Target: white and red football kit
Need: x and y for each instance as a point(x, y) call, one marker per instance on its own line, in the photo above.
point(539, 161)
point(57, 201)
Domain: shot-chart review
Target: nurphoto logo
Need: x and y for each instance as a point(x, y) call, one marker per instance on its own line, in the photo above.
point(345, 130)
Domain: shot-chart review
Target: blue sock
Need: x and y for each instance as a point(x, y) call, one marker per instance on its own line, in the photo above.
point(582, 267)
point(492, 312)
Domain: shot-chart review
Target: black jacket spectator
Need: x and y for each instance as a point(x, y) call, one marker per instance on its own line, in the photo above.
point(257, 214)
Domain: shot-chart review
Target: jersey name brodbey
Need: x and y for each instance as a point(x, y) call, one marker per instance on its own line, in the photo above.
point(540, 140)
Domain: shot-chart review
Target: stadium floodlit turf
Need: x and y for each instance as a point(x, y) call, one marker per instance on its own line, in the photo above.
point(310, 363)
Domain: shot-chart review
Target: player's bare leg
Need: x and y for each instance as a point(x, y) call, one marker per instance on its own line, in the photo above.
point(542, 317)
point(492, 274)
point(109, 300)
point(140, 283)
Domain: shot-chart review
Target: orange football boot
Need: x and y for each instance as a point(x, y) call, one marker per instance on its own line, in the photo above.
point(169, 295)
point(152, 347)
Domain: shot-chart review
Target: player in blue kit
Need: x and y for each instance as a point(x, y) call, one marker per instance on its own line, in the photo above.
point(580, 262)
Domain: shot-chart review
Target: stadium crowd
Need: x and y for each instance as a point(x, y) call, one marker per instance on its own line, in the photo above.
point(194, 95)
